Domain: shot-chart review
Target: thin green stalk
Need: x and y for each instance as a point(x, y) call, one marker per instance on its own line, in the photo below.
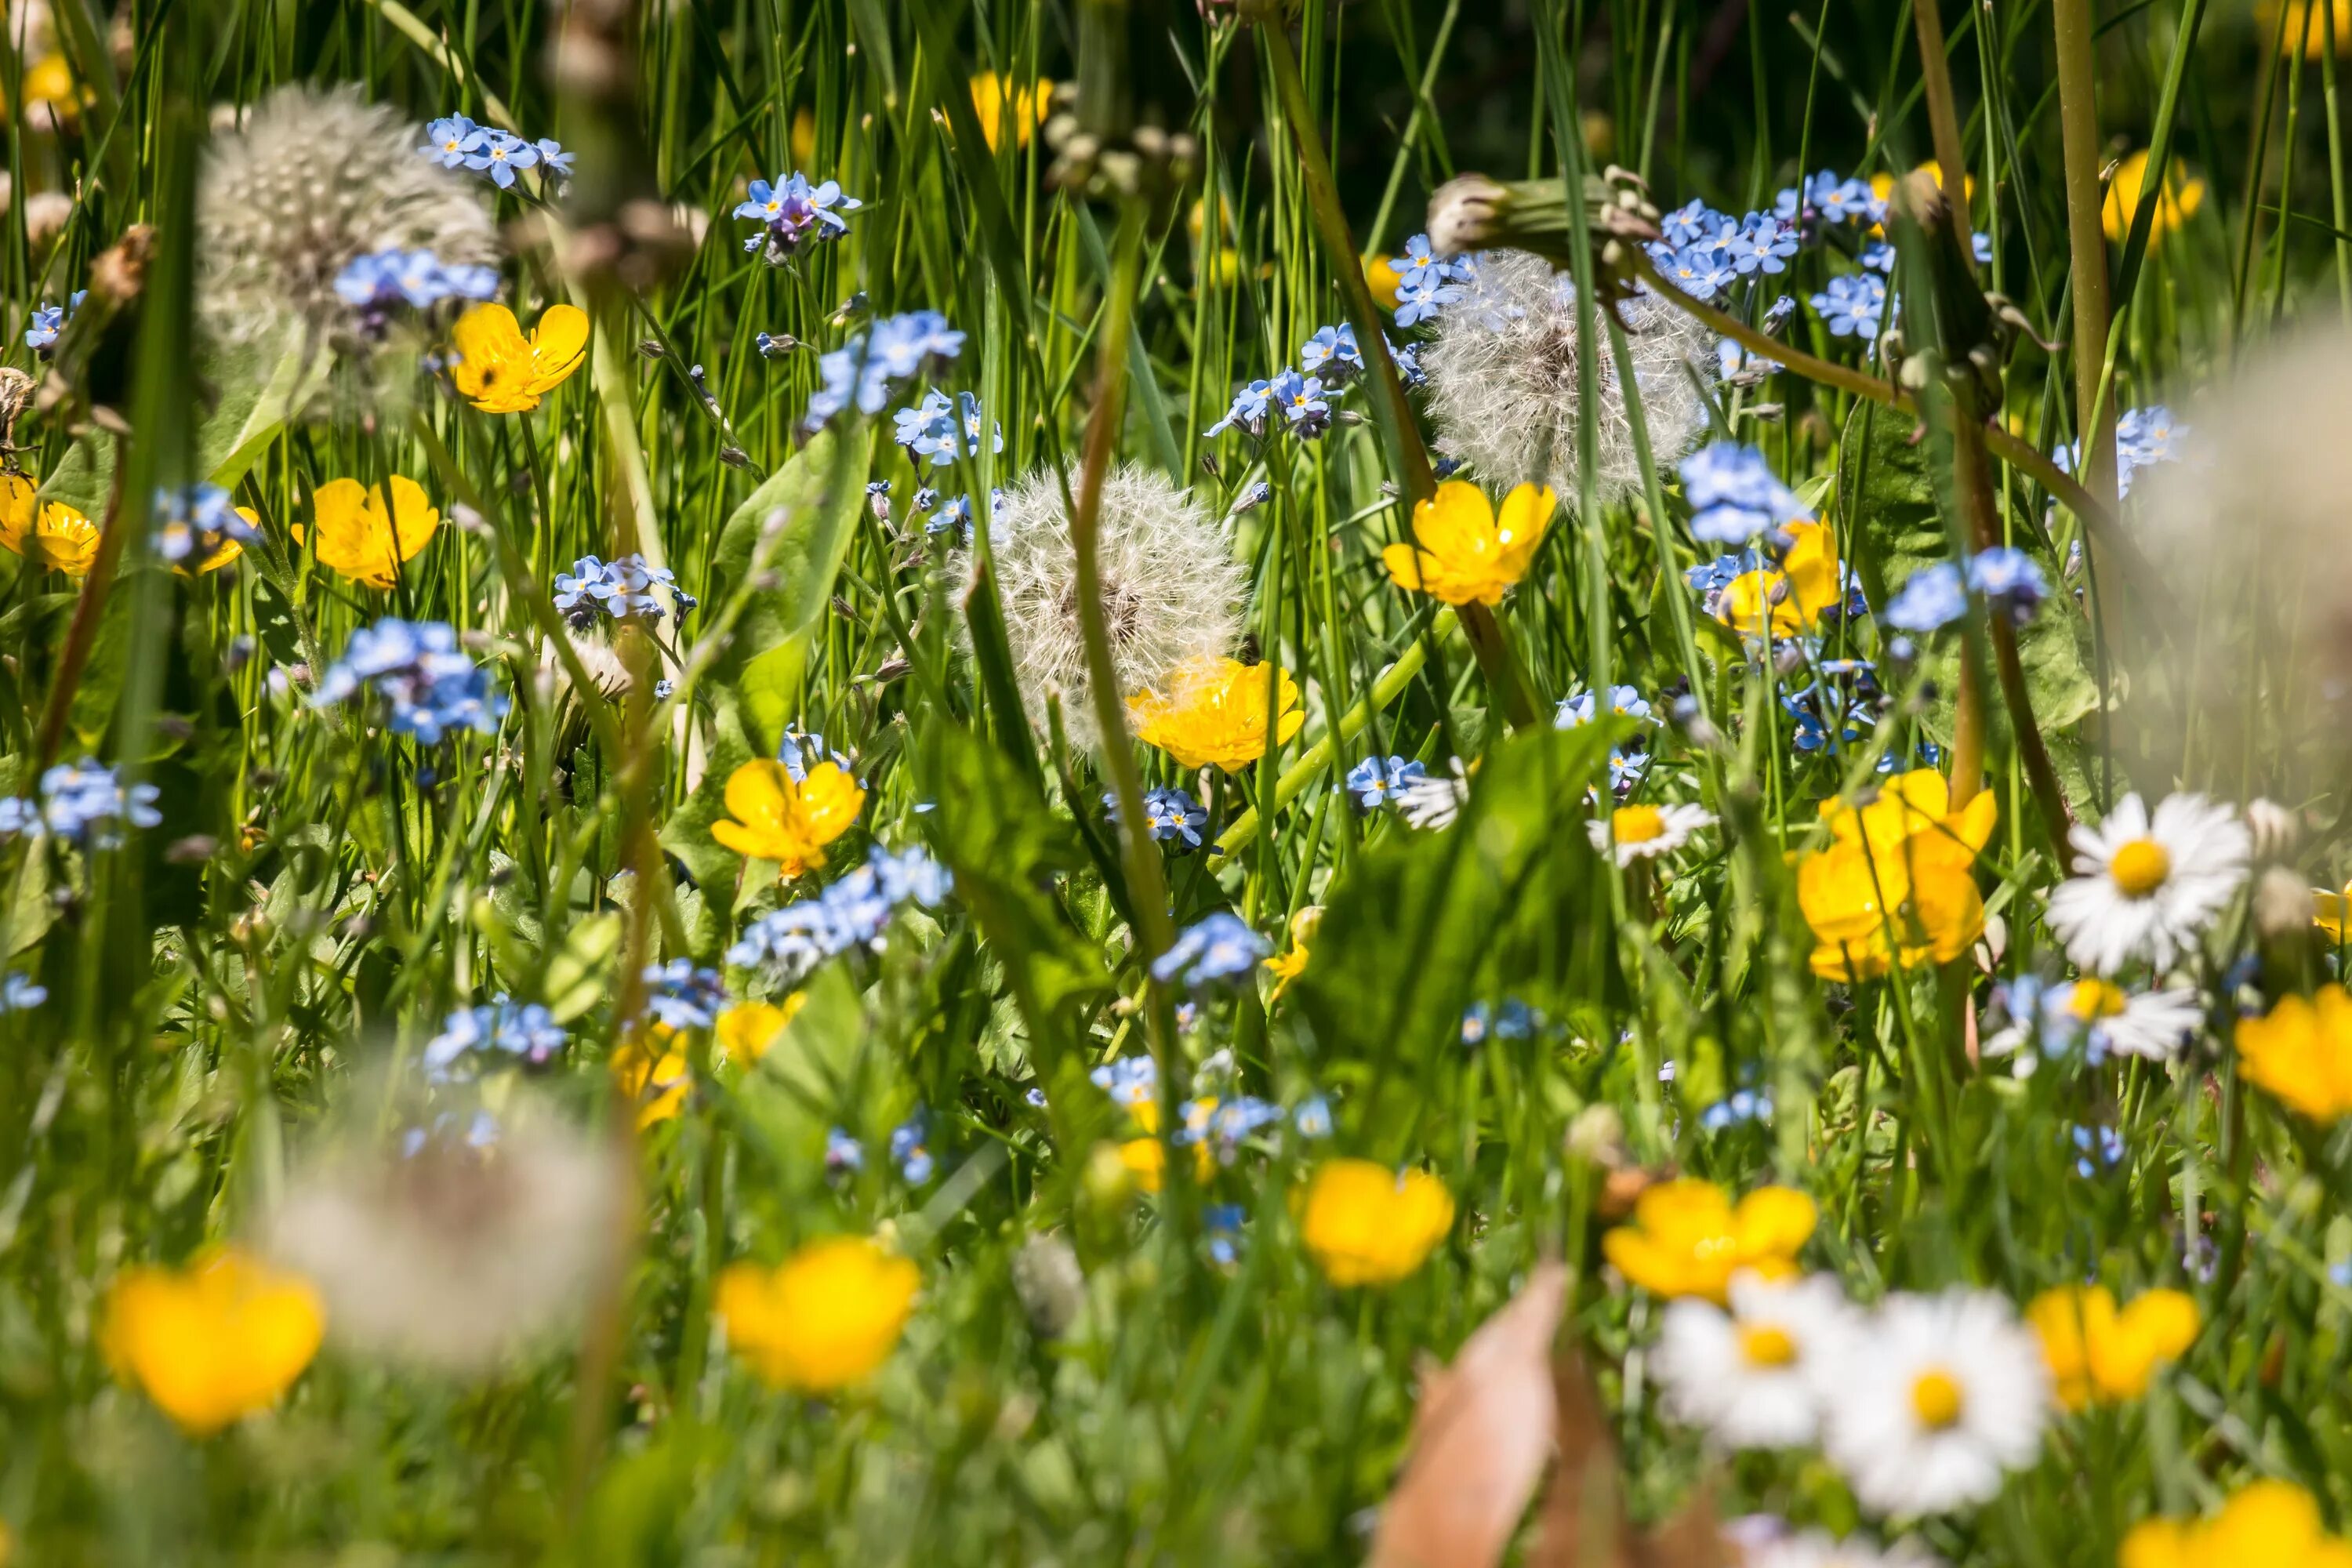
point(2078, 124)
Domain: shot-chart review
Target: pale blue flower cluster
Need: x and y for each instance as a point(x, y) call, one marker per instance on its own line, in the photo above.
point(1128, 1081)
point(943, 429)
point(801, 750)
point(376, 283)
point(853, 913)
point(911, 1150)
point(81, 803)
point(2144, 436)
point(19, 992)
point(42, 327)
point(1703, 252)
point(1169, 813)
point(1328, 362)
point(1735, 497)
point(859, 373)
point(1426, 282)
point(1375, 780)
point(454, 141)
point(1217, 947)
point(196, 523)
point(524, 1033)
point(433, 688)
point(1933, 598)
point(1740, 1106)
point(682, 995)
point(1514, 1020)
point(1854, 305)
point(595, 590)
point(1224, 1123)
point(2010, 580)
point(1625, 702)
point(793, 213)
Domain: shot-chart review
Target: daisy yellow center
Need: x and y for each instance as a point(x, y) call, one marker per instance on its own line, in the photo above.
point(1766, 1344)
point(1936, 1398)
point(2094, 999)
point(2140, 868)
point(1637, 823)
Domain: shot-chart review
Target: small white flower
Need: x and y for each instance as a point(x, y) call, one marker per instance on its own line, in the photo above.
point(2147, 887)
point(1641, 832)
point(1435, 800)
point(2102, 1016)
point(1936, 1398)
point(1752, 1376)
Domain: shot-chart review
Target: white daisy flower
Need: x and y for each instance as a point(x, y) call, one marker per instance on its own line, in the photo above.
point(2148, 886)
point(1435, 800)
point(1819, 1549)
point(1935, 1399)
point(1642, 832)
point(2095, 1015)
point(1751, 1376)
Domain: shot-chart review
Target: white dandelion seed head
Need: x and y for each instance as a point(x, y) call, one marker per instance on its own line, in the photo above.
point(312, 180)
point(1505, 388)
point(1171, 590)
point(457, 1250)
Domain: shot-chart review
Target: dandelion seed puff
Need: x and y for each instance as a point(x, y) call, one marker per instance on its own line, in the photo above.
point(459, 1247)
point(312, 180)
point(1171, 590)
point(1504, 385)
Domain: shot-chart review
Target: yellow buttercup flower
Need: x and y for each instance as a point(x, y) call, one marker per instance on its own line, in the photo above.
point(366, 538)
point(2100, 1354)
point(825, 1320)
point(49, 80)
point(2269, 1524)
point(1467, 553)
point(2307, 27)
point(216, 1341)
point(1882, 185)
point(1688, 1239)
point(1368, 1224)
point(504, 372)
point(1894, 884)
point(749, 1030)
point(2179, 204)
point(1380, 274)
point(54, 535)
point(652, 1072)
point(790, 820)
point(1790, 598)
point(1214, 714)
point(1021, 110)
point(2328, 912)
point(2302, 1053)
point(1289, 967)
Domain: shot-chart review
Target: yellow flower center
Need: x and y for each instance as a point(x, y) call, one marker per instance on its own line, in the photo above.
point(2095, 998)
point(1766, 1344)
point(1637, 823)
point(1936, 1398)
point(2140, 868)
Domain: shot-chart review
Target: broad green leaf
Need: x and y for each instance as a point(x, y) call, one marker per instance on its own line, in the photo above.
point(579, 974)
point(686, 834)
point(814, 497)
point(1507, 903)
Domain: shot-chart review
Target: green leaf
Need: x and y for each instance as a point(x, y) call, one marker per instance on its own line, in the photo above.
point(579, 974)
point(686, 834)
point(817, 493)
point(1898, 527)
point(995, 832)
point(1508, 902)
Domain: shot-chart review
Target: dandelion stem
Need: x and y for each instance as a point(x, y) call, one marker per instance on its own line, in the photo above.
point(82, 635)
point(2078, 124)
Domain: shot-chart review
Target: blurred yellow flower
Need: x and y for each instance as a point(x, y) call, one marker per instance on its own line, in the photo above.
point(1380, 273)
point(803, 136)
point(1688, 1239)
point(1368, 1224)
point(748, 1030)
point(825, 1318)
point(503, 373)
point(364, 538)
point(1214, 713)
point(1146, 1159)
point(2302, 1053)
point(2328, 911)
point(224, 1337)
point(1789, 599)
point(1893, 883)
point(49, 80)
point(790, 820)
point(2268, 1525)
point(61, 538)
point(651, 1070)
point(1465, 551)
point(1289, 967)
point(2179, 204)
point(1882, 185)
point(1026, 109)
point(2098, 1353)
point(2307, 27)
